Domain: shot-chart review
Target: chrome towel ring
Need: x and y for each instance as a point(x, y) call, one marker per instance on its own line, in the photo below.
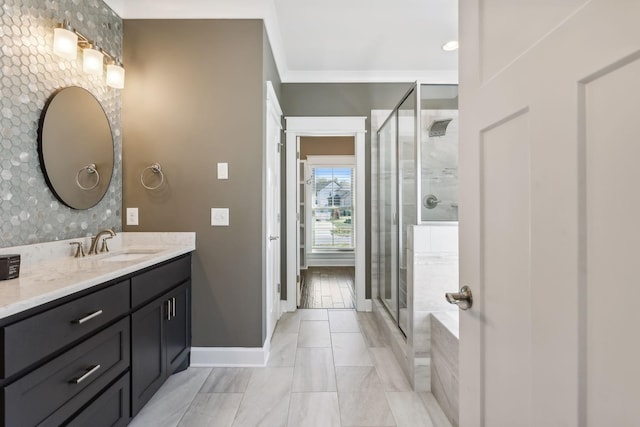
point(90, 169)
point(156, 169)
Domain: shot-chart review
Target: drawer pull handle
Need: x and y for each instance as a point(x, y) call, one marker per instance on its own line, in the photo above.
point(87, 317)
point(86, 375)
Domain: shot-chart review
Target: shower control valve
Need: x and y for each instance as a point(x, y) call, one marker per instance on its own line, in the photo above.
point(430, 201)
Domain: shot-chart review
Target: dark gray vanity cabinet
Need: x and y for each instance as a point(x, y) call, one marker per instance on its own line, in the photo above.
point(160, 329)
point(59, 358)
point(97, 356)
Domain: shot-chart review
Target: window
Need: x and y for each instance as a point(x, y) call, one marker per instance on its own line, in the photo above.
point(331, 191)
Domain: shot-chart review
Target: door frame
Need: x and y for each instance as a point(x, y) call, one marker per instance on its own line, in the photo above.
point(272, 293)
point(325, 126)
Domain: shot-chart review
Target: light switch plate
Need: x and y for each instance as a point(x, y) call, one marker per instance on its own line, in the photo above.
point(223, 170)
point(220, 217)
point(132, 216)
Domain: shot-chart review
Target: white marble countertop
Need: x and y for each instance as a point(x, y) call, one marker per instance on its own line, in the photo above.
point(49, 271)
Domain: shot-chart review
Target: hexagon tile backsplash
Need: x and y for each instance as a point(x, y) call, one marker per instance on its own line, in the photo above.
point(29, 74)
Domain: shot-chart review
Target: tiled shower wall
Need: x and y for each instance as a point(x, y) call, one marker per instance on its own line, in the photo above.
point(440, 166)
point(29, 74)
point(432, 260)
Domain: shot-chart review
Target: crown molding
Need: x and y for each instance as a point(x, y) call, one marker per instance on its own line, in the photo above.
point(266, 11)
point(369, 76)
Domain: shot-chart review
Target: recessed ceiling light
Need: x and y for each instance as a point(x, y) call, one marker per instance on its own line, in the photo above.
point(450, 46)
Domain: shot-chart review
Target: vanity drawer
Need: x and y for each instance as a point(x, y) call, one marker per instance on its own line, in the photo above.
point(148, 285)
point(36, 337)
point(58, 389)
point(110, 409)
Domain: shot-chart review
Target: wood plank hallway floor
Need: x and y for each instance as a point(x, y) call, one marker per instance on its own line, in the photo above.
point(328, 287)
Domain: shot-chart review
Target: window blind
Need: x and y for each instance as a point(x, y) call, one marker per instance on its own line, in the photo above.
point(332, 208)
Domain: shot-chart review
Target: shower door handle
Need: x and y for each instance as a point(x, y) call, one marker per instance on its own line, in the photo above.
point(463, 299)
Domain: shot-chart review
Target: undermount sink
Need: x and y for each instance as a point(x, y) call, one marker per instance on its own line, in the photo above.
point(129, 255)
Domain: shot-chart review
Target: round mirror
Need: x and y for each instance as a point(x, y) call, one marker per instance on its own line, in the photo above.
point(75, 146)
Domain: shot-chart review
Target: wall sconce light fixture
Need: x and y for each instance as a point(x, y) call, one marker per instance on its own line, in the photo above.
point(66, 41)
point(92, 60)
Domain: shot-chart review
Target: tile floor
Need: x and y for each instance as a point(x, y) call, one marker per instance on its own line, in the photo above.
point(327, 368)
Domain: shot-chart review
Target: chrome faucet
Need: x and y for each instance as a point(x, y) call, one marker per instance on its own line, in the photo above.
point(94, 242)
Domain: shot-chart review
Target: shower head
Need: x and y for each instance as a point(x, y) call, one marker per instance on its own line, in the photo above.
point(439, 127)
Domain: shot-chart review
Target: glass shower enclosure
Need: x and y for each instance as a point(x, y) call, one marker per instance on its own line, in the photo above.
point(417, 172)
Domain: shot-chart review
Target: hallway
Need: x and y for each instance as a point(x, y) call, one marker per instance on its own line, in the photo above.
point(327, 368)
point(328, 287)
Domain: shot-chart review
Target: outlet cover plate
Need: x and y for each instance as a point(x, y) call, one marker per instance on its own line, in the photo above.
point(132, 216)
point(223, 170)
point(220, 217)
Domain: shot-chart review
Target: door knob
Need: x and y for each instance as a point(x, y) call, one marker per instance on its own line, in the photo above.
point(463, 299)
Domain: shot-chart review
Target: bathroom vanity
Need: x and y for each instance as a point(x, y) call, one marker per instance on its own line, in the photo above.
point(88, 341)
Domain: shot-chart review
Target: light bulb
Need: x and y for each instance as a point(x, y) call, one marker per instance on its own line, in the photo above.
point(92, 61)
point(65, 43)
point(450, 46)
point(115, 76)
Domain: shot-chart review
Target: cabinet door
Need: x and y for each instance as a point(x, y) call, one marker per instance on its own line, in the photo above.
point(178, 328)
point(147, 352)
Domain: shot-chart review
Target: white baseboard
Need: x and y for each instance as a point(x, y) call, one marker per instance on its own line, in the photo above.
point(331, 259)
point(207, 357)
point(330, 262)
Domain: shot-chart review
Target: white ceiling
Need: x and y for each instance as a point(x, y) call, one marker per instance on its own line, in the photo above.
point(335, 40)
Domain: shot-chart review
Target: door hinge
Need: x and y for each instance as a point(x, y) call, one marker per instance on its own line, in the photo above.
point(298, 155)
point(297, 278)
point(279, 288)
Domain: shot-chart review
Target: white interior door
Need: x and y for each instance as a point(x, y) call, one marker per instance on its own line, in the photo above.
point(549, 209)
point(299, 220)
point(273, 145)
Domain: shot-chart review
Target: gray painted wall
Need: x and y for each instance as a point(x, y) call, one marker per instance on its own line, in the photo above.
point(344, 99)
point(30, 73)
point(195, 97)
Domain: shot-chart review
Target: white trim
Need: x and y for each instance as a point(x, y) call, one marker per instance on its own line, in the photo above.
point(331, 160)
point(331, 262)
point(274, 116)
point(274, 36)
point(273, 99)
point(371, 76)
point(207, 357)
point(323, 126)
point(362, 304)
